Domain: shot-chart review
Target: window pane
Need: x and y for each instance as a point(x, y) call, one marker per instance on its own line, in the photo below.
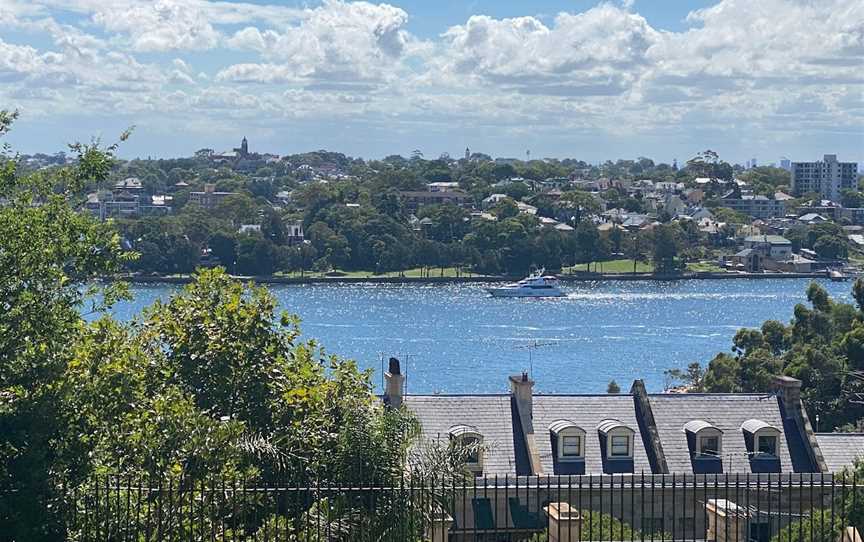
point(709, 446)
point(768, 445)
point(620, 446)
point(474, 453)
point(571, 446)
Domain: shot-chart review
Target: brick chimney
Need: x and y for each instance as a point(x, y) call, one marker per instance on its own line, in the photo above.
point(788, 390)
point(522, 392)
point(522, 388)
point(393, 383)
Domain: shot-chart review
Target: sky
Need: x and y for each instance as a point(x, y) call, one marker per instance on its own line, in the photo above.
point(590, 80)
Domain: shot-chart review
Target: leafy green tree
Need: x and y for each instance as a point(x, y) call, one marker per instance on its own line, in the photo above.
point(692, 378)
point(579, 204)
point(725, 214)
point(665, 249)
point(223, 247)
point(823, 347)
point(505, 208)
point(722, 375)
point(50, 259)
point(831, 247)
point(273, 227)
point(389, 203)
point(449, 222)
point(329, 244)
point(238, 209)
point(256, 255)
point(588, 242)
point(851, 198)
point(518, 191)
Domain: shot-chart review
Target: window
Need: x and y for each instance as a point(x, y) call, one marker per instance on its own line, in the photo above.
point(571, 446)
point(767, 445)
point(709, 446)
point(620, 446)
point(472, 443)
point(567, 439)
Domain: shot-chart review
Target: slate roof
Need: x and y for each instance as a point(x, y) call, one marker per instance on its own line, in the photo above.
point(586, 411)
point(840, 449)
point(771, 239)
point(495, 417)
point(489, 414)
point(727, 412)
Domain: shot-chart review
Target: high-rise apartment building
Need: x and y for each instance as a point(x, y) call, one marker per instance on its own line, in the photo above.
point(826, 177)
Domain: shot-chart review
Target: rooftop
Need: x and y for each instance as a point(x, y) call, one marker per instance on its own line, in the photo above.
point(841, 449)
point(737, 417)
point(771, 239)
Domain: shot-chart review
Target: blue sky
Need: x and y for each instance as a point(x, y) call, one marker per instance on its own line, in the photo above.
point(591, 80)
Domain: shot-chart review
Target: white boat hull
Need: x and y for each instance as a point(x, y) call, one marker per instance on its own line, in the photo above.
point(525, 292)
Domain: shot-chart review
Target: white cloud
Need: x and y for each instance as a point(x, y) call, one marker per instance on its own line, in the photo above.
point(770, 38)
point(163, 25)
point(181, 78)
point(767, 67)
point(337, 41)
point(18, 61)
point(598, 52)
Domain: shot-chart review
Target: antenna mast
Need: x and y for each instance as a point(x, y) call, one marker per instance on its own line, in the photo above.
point(531, 347)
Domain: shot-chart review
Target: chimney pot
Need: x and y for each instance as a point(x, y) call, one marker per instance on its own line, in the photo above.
point(393, 381)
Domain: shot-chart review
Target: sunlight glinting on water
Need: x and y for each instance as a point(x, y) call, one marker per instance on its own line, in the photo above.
point(454, 338)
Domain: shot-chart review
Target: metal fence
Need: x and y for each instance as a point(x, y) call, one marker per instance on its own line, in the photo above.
point(763, 508)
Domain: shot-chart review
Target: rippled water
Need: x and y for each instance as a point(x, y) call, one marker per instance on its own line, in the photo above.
point(454, 338)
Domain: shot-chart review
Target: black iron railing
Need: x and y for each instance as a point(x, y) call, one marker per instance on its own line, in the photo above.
point(757, 507)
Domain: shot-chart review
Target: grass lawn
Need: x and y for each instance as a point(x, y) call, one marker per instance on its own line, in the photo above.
point(416, 272)
point(613, 266)
point(856, 258)
point(704, 267)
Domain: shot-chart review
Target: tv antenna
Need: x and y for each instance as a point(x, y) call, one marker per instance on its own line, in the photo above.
point(531, 347)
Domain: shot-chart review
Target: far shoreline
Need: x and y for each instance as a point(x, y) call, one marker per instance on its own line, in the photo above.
point(576, 278)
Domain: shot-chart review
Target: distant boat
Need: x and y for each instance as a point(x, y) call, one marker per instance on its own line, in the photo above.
point(837, 276)
point(534, 285)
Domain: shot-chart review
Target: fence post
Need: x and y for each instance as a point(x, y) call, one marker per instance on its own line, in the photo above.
point(849, 534)
point(438, 529)
point(727, 522)
point(565, 522)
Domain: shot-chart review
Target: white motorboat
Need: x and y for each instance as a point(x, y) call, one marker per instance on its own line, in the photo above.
point(536, 284)
point(837, 276)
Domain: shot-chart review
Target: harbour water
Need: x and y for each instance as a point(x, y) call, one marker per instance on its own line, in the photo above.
point(454, 338)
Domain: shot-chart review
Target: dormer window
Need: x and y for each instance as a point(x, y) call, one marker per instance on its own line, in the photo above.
point(469, 438)
point(618, 439)
point(704, 439)
point(761, 438)
point(568, 439)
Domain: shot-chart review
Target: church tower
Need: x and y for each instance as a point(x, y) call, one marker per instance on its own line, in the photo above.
point(467, 153)
point(244, 147)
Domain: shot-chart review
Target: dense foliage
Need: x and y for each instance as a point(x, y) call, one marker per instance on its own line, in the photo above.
point(823, 346)
point(846, 508)
point(212, 384)
point(357, 217)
